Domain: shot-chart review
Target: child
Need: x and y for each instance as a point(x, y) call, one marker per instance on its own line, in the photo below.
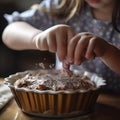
point(63, 26)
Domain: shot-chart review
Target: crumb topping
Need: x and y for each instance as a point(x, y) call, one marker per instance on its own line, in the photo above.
point(54, 80)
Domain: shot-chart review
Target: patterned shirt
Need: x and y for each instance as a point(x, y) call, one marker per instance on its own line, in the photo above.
point(82, 22)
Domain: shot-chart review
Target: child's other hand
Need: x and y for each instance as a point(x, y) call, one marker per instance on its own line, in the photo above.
point(85, 46)
point(55, 39)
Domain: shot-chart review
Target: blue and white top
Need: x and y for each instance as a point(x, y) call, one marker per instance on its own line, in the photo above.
point(82, 22)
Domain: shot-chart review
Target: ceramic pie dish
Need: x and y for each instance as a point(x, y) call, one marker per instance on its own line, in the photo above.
point(49, 97)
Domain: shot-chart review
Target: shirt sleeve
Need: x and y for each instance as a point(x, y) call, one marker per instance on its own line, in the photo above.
point(34, 17)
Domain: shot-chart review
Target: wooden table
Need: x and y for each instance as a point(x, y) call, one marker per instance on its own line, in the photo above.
point(106, 108)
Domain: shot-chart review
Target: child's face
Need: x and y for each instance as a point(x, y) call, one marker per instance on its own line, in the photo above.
point(100, 3)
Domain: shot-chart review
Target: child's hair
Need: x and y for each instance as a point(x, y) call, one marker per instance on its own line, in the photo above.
point(64, 11)
point(67, 9)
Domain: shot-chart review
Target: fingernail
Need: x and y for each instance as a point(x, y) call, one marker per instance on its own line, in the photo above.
point(66, 65)
point(70, 60)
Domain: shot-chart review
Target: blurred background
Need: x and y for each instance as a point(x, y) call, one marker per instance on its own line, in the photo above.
point(12, 61)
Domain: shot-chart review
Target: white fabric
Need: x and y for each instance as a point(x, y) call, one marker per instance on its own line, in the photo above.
point(16, 14)
point(30, 12)
point(49, 3)
point(5, 95)
point(58, 64)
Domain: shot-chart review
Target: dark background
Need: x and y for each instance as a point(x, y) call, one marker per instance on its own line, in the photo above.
point(12, 61)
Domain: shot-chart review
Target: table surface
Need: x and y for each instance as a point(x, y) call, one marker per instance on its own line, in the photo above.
point(106, 108)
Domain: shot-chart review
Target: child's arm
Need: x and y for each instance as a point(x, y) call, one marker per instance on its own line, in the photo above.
point(112, 58)
point(19, 36)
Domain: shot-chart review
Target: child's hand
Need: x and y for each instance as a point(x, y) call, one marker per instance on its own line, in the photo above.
point(85, 46)
point(55, 39)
